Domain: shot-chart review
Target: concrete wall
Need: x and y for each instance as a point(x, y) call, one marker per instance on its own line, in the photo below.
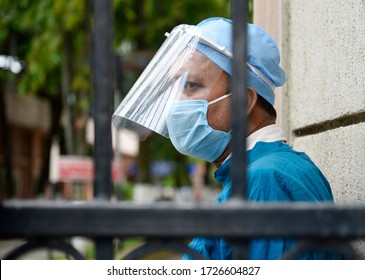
point(323, 103)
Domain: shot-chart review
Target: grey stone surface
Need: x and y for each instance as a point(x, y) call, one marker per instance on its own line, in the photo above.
point(340, 154)
point(322, 44)
point(324, 52)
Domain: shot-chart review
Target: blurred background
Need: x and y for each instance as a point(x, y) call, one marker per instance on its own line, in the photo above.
point(47, 128)
point(46, 121)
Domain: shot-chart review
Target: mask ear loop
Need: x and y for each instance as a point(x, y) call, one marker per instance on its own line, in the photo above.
point(219, 98)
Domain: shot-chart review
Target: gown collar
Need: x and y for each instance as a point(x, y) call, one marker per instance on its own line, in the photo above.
point(270, 133)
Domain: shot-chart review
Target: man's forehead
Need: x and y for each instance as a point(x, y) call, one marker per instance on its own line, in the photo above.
point(197, 58)
point(199, 64)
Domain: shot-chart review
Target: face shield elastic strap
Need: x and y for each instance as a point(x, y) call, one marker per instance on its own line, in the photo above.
point(206, 41)
point(219, 98)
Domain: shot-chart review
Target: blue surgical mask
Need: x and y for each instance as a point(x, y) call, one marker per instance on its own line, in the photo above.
point(190, 132)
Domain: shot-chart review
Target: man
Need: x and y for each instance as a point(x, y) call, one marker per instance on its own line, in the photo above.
point(190, 104)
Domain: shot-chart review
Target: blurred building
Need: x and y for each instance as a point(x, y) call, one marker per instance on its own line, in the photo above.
point(29, 121)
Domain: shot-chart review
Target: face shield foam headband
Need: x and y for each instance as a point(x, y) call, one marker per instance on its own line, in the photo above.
point(223, 50)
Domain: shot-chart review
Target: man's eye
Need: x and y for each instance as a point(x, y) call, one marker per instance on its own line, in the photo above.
point(191, 85)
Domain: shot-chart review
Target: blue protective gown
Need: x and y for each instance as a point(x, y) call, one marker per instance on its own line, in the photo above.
point(275, 173)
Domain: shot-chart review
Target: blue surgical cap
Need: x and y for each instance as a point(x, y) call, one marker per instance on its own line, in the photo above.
point(262, 53)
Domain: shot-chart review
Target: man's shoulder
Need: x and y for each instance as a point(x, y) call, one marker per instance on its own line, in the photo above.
point(283, 163)
point(276, 155)
point(290, 173)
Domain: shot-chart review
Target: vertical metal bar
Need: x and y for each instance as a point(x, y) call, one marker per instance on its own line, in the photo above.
point(103, 105)
point(103, 97)
point(239, 118)
point(239, 12)
point(5, 141)
point(104, 249)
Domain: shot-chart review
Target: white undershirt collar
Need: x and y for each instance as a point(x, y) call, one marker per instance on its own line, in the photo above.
point(270, 133)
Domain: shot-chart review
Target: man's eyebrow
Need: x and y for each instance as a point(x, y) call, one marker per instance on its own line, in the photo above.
point(190, 76)
point(194, 77)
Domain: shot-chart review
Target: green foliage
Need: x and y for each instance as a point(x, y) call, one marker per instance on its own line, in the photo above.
point(39, 28)
point(90, 253)
point(43, 29)
point(169, 181)
point(124, 191)
point(145, 22)
point(157, 142)
point(42, 26)
point(69, 13)
point(42, 59)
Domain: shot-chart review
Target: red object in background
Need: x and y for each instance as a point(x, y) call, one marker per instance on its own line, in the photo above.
point(76, 168)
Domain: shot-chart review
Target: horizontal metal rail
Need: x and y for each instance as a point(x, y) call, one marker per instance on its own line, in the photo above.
point(32, 219)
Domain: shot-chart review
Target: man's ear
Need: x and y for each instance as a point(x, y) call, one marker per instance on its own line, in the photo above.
point(251, 99)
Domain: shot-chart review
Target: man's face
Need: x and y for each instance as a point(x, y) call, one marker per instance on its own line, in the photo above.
point(206, 81)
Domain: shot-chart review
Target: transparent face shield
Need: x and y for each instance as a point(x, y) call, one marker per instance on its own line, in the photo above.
point(178, 71)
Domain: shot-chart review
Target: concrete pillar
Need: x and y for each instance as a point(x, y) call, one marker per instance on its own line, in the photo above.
point(323, 102)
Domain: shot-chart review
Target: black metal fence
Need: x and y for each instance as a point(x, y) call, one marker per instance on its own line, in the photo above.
point(49, 224)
